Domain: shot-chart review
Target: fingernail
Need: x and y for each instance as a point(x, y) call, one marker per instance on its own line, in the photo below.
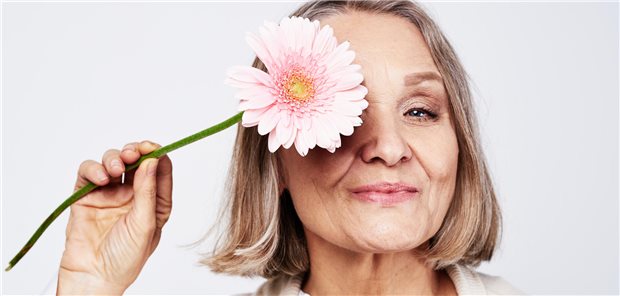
point(115, 163)
point(102, 176)
point(152, 167)
point(129, 148)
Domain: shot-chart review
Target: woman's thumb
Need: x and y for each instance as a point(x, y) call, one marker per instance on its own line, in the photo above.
point(145, 191)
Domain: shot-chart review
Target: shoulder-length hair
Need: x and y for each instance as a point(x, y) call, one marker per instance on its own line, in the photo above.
point(262, 234)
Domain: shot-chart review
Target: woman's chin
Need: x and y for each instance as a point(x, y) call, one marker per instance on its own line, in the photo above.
point(386, 238)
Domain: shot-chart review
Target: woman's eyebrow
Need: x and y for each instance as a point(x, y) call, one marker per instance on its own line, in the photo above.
point(419, 77)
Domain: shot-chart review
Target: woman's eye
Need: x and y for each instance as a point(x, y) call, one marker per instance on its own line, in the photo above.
point(421, 114)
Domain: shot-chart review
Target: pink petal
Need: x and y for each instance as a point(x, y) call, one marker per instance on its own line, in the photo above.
point(269, 120)
point(363, 104)
point(306, 123)
point(284, 132)
point(245, 76)
point(324, 41)
point(308, 136)
point(272, 142)
point(322, 133)
point(287, 26)
point(309, 32)
point(254, 98)
point(296, 121)
point(347, 108)
point(332, 131)
point(261, 50)
point(255, 103)
point(286, 119)
point(291, 139)
point(349, 81)
point(269, 33)
point(301, 147)
point(252, 117)
point(342, 124)
point(354, 94)
point(335, 75)
point(298, 33)
point(340, 57)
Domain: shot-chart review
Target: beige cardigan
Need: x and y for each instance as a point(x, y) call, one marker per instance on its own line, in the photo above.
point(467, 282)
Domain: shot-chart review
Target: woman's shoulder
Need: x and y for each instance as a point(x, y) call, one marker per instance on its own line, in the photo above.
point(471, 282)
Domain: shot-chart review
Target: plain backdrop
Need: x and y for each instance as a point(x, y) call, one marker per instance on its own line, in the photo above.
point(81, 78)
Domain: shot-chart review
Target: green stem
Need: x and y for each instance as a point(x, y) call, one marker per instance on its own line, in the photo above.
point(90, 186)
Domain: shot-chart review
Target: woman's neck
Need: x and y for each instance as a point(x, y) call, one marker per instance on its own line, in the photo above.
point(334, 270)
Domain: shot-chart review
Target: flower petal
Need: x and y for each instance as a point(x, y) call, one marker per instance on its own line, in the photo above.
point(272, 142)
point(292, 138)
point(309, 32)
point(252, 117)
point(254, 98)
point(284, 132)
point(343, 125)
point(334, 76)
point(269, 120)
point(349, 81)
point(301, 147)
point(308, 136)
point(325, 41)
point(270, 33)
point(347, 108)
point(245, 76)
point(324, 133)
point(261, 50)
point(340, 57)
point(354, 94)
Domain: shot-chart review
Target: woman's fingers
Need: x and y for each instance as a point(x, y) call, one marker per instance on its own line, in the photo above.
point(129, 153)
point(153, 192)
point(91, 171)
point(141, 217)
point(114, 162)
point(162, 186)
point(114, 165)
point(147, 147)
point(164, 190)
point(133, 152)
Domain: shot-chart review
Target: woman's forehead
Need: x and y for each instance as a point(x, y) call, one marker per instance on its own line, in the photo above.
point(386, 46)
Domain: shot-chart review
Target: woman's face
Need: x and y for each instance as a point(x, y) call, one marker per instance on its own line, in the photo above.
point(406, 137)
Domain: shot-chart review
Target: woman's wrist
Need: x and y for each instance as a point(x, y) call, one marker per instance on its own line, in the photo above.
point(76, 283)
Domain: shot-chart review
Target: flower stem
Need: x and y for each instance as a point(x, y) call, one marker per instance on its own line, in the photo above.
point(91, 186)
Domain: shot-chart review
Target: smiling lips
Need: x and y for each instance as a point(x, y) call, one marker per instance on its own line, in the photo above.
point(385, 193)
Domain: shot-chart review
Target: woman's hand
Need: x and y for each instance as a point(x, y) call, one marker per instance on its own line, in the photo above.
point(113, 230)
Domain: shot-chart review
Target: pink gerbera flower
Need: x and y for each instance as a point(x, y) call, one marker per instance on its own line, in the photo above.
point(311, 93)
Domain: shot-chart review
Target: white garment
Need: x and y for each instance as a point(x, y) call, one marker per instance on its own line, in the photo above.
point(467, 282)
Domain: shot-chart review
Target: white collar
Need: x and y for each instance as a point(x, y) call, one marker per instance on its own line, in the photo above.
point(466, 282)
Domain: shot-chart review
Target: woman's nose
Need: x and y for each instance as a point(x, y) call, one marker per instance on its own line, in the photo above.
point(383, 140)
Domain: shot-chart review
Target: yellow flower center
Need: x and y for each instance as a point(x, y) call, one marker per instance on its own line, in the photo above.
point(299, 88)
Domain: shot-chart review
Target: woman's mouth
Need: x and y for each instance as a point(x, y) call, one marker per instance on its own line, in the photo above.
point(385, 193)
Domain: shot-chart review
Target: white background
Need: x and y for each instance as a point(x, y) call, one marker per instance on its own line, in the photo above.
point(80, 78)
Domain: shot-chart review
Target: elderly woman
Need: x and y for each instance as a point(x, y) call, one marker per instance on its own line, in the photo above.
point(404, 206)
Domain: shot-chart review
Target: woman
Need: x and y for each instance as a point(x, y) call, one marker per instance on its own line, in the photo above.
point(405, 206)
